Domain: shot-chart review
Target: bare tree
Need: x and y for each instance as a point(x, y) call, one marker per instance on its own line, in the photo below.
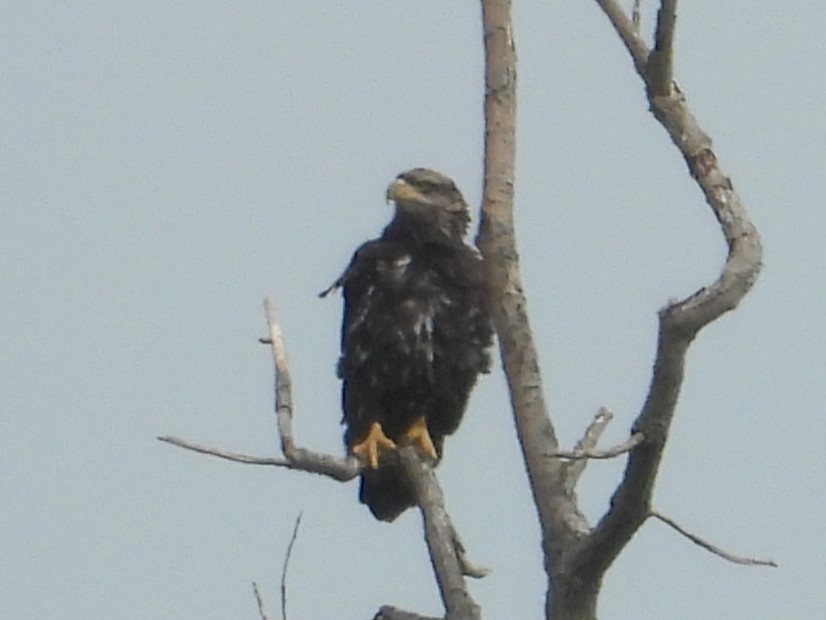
point(577, 554)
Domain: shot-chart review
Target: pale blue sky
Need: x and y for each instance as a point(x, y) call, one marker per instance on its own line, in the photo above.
point(164, 166)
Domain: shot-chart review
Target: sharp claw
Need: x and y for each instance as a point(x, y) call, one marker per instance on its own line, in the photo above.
point(418, 435)
point(368, 448)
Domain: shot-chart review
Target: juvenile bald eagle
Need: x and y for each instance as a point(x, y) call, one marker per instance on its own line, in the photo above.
point(415, 335)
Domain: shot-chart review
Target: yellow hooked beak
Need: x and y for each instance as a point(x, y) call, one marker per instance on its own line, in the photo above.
point(400, 190)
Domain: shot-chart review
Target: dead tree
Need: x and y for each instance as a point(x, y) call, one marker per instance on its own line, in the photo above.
point(577, 554)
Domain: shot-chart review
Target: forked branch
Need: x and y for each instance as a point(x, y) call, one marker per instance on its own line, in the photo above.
point(301, 459)
point(679, 321)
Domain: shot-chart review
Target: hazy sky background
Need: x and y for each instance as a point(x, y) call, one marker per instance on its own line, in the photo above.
point(165, 165)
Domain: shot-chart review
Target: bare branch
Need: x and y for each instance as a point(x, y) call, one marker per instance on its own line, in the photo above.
point(609, 453)
point(283, 382)
point(441, 538)
point(710, 547)
point(595, 429)
point(636, 17)
point(627, 32)
point(446, 550)
point(679, 321)
point(261, 614)
point(224, 454)
point(338, 468)
point(497, 243)
point(286, 565)
point(300, 459)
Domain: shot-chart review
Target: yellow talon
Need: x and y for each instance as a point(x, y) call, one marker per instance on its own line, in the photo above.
point(418, 436)
point(368, 448)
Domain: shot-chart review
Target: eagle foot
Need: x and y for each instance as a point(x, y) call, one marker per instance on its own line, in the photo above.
point(369, 447)
point(418, 436)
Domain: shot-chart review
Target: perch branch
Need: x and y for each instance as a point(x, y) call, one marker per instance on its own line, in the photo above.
point(447, 553)
point(736, 559)
point(679, 321)
point(286, 566)
point(261, 613)
point(441, 538)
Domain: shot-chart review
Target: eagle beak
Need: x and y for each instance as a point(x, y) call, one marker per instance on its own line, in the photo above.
point(400, 190)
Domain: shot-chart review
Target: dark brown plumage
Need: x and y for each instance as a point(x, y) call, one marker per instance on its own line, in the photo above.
point(414, 337)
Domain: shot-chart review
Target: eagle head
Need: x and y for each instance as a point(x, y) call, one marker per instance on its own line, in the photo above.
point(430, 198)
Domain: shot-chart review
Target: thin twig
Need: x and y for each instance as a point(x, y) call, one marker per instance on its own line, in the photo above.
point(338, 468)
point(286, 565)
point(224, 454)
point(710, 547)
point(589, 453)
point(260, 602)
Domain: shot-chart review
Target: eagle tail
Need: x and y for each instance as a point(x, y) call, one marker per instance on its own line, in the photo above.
point(386, 492)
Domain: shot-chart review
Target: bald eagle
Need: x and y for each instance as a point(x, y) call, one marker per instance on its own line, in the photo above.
point(415, 335)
